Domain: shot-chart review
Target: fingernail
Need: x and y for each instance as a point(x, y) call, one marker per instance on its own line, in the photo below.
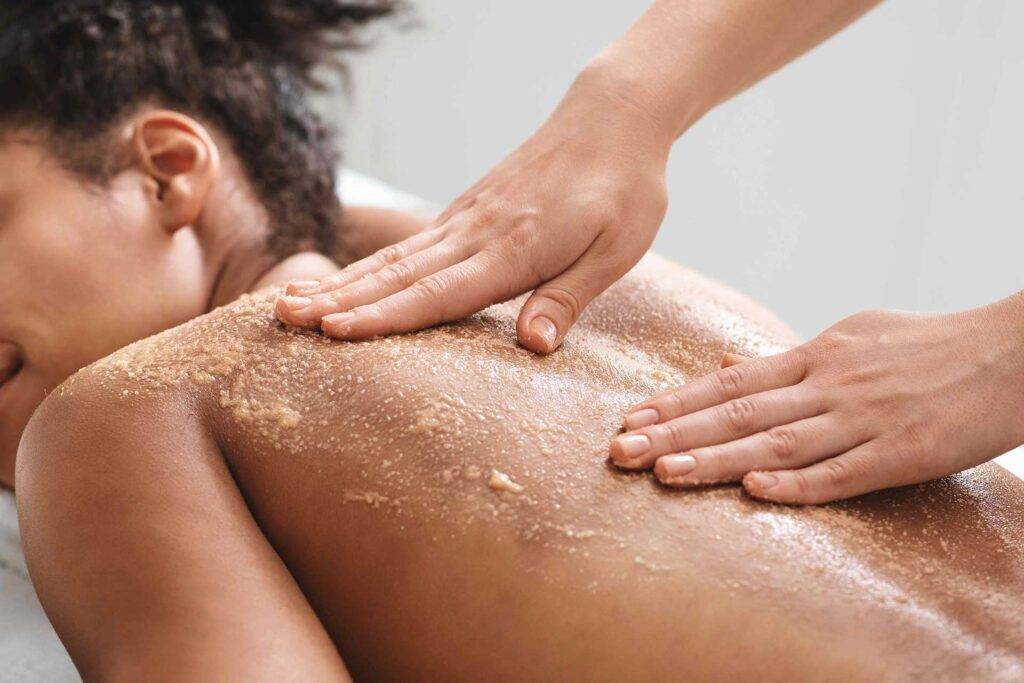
point(632, 446)
point(302, 285)
point(671, 466)
point(763, 480)
point(339, 321)
point(543, 328)
point(296, 303)
point(642, 418)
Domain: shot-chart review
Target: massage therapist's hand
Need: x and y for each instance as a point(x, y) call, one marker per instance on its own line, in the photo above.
point(574, 207)
point(566, 214)
point(881, 399)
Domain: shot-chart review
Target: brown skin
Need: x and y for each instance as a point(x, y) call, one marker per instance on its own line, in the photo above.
point(232, 494)
point(85, 271)
point(233, 500)
point(881, 399)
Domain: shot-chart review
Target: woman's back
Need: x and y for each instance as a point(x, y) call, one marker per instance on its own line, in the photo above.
point(445, 503)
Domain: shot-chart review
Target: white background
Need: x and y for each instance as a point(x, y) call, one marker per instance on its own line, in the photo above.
point(883, 169)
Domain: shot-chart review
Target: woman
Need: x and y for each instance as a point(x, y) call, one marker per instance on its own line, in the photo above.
point(84, 155)
point(232, 498)
point(579, 202)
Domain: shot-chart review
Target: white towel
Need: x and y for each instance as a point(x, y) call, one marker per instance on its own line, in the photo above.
point(29, 648)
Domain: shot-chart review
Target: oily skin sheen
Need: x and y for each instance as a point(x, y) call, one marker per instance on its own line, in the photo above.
point(234, 498)
point(881, 399)
point(244, 493)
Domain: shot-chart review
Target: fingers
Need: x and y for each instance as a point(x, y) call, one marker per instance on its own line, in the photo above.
point(868, 467)
point(784, 447)
point(449, 294)
point(372, 287)
point(731, 359)
point(729, 383)
point(716, 425)
point(555, 306)
point(371, 264)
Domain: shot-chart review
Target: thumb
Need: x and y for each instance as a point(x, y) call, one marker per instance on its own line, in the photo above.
point(554, 307)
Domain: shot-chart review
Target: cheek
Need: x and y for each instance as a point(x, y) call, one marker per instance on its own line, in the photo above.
point(109, 307)
point(99, 273)
point(17, 407)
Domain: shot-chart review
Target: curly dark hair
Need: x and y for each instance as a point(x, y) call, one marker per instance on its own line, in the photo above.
point(74, 68)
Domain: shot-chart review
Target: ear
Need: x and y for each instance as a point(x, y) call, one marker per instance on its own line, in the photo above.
point(182, 162)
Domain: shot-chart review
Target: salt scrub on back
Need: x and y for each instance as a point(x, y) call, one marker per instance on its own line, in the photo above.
point(500, 481)
point(389, 443)
point(413, 424)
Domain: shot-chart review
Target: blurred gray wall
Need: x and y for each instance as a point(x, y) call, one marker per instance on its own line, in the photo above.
point(883, 169)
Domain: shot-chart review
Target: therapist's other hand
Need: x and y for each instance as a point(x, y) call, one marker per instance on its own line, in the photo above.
point(881, 399)
point(566, 214)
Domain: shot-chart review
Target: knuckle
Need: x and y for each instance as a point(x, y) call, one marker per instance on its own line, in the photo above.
point(913, 442)
point(398, 275)
point(730, 381)
point(782, 443)
point(828, 344)
point(603, 211)
point(503, 263)
point(522, 238)
point(674, 434)
point(838, 474)
point(485, 214)
point(738, 414)
point(718, 464)
point(429, 288)
point(847, 377)
point(674, 403)
point(802, 354)
point(391, 254)
point(570, 302)
point(335, 279)
point(803, 487)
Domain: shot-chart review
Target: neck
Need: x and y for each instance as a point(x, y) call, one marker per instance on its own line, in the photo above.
point(236, 227)
point(241, 271)
point(247, 270)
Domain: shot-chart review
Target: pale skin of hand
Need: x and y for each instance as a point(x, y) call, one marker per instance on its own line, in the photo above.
point(533, 221)
point(576, 205)
point(882, 399)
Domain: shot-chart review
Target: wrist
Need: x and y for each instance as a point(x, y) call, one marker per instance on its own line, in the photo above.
point(1015, 314)
point(1006, 318)
point(625, 84)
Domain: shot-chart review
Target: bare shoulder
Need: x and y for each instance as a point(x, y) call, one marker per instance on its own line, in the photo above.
point(239, 358)
point(153, 388)
point(239, 369)
point(98, 415)
point(239, 372)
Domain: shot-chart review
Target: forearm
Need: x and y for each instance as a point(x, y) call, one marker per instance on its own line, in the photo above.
point(1006, 320)
point(683, 57)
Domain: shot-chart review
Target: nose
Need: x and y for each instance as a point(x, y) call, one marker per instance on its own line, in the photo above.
point(10, 361)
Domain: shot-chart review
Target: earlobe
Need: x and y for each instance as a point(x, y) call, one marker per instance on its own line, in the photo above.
point(182, 162)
